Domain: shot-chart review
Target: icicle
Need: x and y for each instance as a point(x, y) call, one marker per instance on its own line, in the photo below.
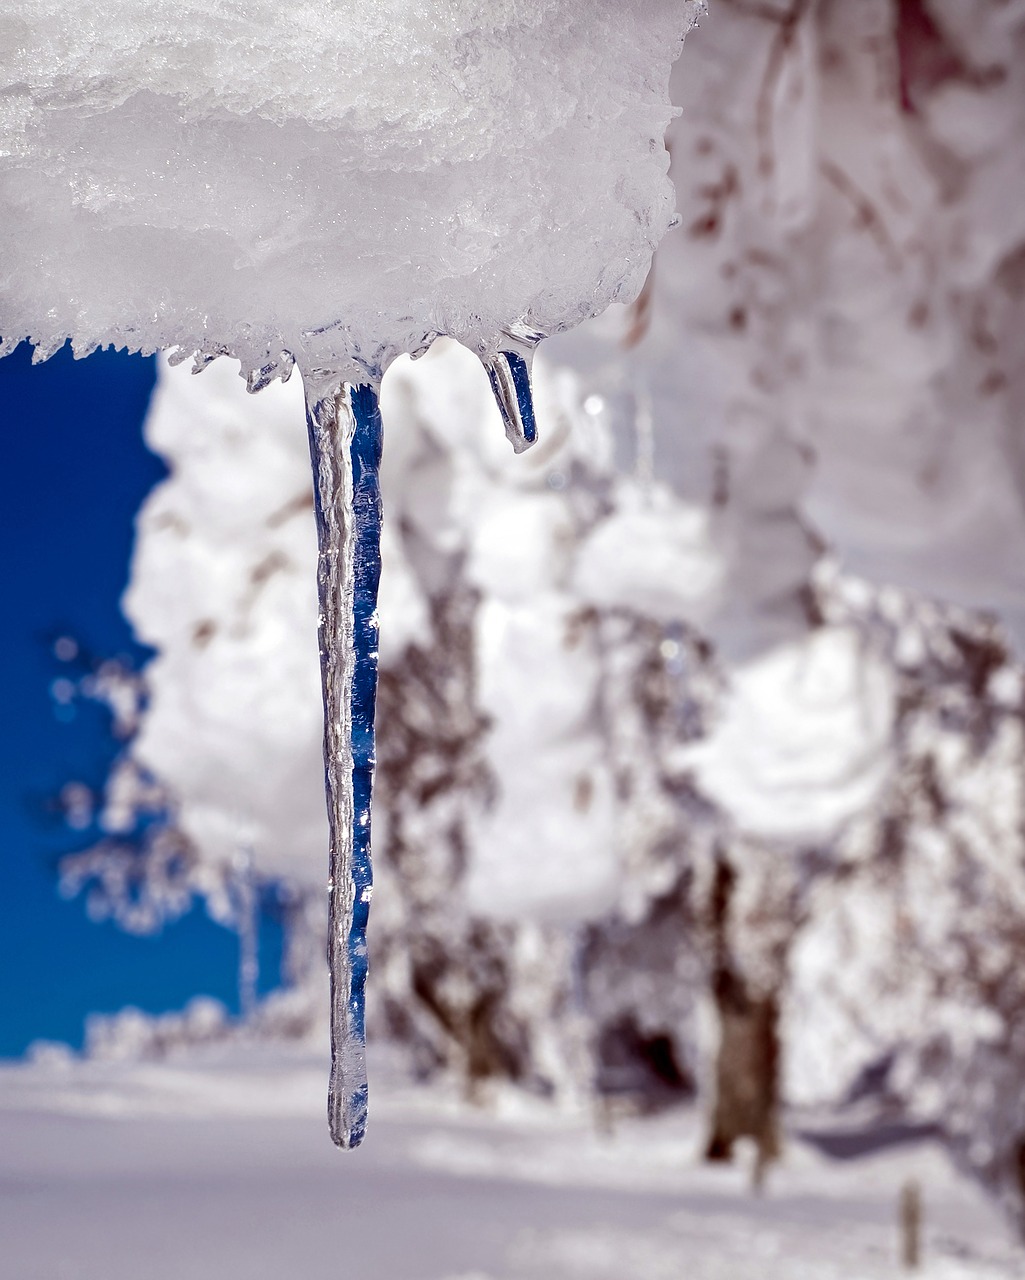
point(345, 446)
point(509, 372)
point(259, 378)
point(204, 359)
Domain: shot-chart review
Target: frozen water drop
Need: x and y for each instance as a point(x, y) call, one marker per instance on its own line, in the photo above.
point(203, 359)
point(257, 379)
point(82, 347)
point(509, 372)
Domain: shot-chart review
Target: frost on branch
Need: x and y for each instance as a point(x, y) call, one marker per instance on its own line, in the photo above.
point(837, 325)
point(833, 334)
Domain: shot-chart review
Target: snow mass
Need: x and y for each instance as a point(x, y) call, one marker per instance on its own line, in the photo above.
point(329, 182)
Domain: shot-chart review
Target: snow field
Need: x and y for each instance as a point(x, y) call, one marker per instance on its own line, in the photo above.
point(218, 1168)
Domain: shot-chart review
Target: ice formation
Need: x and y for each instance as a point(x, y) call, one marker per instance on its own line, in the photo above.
point(830, 346)
point(345, 437)
point(338, 185)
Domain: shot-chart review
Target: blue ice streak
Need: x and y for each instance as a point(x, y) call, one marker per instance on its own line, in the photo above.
point(366, 463)
point(524, 395)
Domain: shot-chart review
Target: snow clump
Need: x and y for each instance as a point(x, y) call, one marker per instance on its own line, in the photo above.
point(324, 180)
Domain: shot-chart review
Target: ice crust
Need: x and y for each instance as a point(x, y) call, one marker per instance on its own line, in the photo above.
point(336, 180)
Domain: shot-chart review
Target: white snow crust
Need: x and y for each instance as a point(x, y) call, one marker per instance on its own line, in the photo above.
point(214, 1167)
point(335, 180)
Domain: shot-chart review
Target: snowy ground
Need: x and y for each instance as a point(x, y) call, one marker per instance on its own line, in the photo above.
point(216, 1168)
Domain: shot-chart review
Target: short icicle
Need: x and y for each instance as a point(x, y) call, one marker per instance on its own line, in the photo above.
point(345, 446)
point(509, 372)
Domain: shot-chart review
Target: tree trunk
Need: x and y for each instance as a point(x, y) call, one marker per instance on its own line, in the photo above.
point(747, 1064)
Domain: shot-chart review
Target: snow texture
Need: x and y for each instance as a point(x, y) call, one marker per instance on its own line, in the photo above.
point(328, 181)
point(831, 341)
point(803, 743)
point(110, 1159)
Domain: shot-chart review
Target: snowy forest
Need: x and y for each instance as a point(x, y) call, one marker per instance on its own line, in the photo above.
point(700, 762)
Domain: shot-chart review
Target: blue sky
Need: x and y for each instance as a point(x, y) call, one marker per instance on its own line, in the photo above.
point(74, 473)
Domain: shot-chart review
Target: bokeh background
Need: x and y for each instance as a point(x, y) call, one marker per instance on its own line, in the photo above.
point(700, 811)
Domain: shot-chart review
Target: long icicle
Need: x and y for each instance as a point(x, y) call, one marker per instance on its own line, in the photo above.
point(344, 426)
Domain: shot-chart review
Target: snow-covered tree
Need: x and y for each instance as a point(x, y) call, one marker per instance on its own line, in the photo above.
point(649, 763)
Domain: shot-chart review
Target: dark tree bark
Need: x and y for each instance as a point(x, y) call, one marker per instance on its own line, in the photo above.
point(748, 1061)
